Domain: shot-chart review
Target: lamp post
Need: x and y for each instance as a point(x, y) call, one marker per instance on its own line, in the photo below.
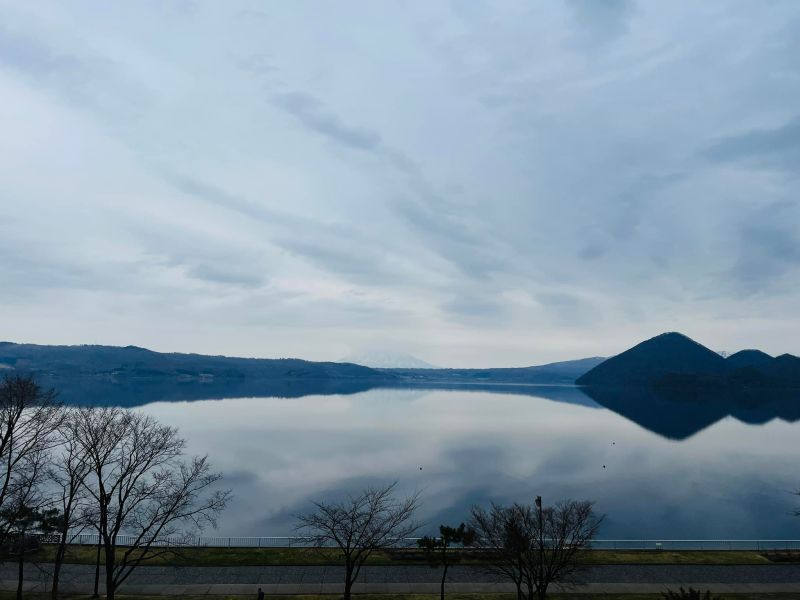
point(541, 539)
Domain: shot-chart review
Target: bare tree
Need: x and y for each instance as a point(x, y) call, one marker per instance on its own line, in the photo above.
point(359, 525)
point(535, 546)
point(27, 510)
point(29, 418)
point(142, 488)
point(67, 474)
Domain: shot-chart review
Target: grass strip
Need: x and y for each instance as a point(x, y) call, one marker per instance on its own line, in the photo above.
point(232, 557)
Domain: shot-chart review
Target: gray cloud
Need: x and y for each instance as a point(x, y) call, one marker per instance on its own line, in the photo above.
point(600, 22)
point(777, 147)
point(26, 274)
point(76, 76)
point(568, 309)
point(258, 65)
point(592, 250)
point(220, 197)
point(450, 236)
point(474, 307)
point(443, 228)
point(311, 113)
point(206, 260)
point(228, 272)
point(341, 260)
point(630, 205)
point(769, 248)
point(36, 59)
point(329, 246)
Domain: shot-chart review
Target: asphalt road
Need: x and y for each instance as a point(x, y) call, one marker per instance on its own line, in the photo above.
point(399, 579)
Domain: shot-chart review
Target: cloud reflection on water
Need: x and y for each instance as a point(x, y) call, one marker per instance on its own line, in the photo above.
point(730, 480)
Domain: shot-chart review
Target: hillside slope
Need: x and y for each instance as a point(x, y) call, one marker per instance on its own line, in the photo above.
point(666, 354)
point(672, 359)
point(748, 358)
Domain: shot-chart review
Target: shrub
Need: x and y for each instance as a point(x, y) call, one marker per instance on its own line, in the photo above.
point(690, 594)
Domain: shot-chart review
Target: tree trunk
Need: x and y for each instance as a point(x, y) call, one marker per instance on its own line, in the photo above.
point(348, 581)
point(519, 589)
point(21, 565)
point(54, 585)
point(97, 571)
point(348, 586)
point(444, 578)
point(110, 562)
point(62, 549)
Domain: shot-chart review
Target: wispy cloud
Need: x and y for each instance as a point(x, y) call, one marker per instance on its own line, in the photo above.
point(310, 112)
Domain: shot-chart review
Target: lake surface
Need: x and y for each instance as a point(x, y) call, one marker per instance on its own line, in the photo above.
point(685, 468)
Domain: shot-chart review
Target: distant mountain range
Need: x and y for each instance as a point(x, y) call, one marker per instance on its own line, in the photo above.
point(136, 375)
point(565, 372)
point(132, 375)
point(674, 360)
point(387, 360)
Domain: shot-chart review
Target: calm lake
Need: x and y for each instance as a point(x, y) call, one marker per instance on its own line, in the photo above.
point(685, 468)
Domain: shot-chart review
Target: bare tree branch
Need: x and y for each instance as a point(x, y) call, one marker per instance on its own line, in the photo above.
point(67, 474)
point(29, 418)
point(359, 525)
point(142, 487)
point(535, 546)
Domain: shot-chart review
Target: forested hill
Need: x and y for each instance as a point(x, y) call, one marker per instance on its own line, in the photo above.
point(131, 362)
point(672, 359)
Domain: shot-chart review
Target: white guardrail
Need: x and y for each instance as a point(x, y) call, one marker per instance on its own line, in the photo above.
point(298, 542)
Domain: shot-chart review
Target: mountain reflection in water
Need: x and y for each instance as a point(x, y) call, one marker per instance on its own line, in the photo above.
point(675, 414)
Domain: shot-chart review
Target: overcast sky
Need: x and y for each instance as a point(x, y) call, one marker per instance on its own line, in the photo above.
point(476, 183)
